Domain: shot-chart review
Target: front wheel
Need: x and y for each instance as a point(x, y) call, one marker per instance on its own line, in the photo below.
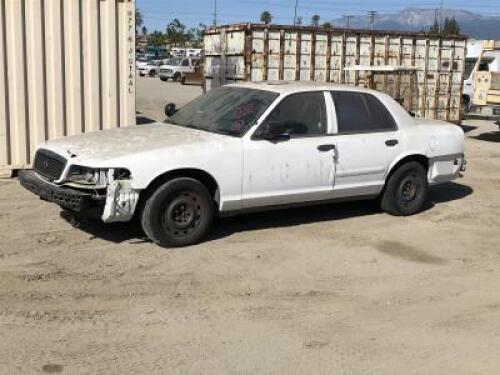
point(164, 79)
point(152, 73)
point(406, 190)
point(179, 213)
point(176, 77)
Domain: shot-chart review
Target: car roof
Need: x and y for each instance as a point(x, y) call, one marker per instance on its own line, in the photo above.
point(286, 87)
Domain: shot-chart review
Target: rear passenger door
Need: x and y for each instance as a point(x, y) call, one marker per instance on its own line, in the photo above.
point(367, 141)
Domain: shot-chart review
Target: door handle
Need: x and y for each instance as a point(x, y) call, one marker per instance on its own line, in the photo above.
point(325, 148)
point(391, 142)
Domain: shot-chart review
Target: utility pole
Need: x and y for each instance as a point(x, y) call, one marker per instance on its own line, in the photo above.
point(371, 15)
point(348, 18)
point(295, 13)
point(215, 12)
point(441, 16)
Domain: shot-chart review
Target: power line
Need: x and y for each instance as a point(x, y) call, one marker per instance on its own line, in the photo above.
point(295, 13)
point(441, 16)
point(348, 18)
point(215, 12)
point(371, 15)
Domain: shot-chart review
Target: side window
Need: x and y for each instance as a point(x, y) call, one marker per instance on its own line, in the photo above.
point(301, 114)
point(381, 119)
point(357, 113)
point(185, 62)
point(352, 113)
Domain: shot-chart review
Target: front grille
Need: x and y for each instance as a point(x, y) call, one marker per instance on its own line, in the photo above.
point(166, 70)
point(49, 164)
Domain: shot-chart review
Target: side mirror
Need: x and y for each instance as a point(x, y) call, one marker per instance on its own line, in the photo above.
point(274, 131)
point(170, 109)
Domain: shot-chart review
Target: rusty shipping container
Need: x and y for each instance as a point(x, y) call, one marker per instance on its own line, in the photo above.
point(423, 72)
point(66, 67)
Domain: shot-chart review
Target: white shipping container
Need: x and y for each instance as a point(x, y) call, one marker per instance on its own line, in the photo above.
point(423, 72)
point(66, 67)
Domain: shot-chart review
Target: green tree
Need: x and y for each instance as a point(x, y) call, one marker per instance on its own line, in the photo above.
point(157, 39)
point(451, 27)
point(327, 25)
point(434, 29)
point(176, 32)
point(266, 17)
point(144, 30)
point(315, 20)
point(299, 20)
point(139, 21)
point(198, 35)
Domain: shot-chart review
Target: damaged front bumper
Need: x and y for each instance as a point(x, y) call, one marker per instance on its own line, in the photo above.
point(117, 205)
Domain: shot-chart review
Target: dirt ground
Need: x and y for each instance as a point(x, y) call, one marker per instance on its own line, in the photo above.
point(338, 289)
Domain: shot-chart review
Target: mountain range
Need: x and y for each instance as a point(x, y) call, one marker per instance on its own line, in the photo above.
point(473, 25)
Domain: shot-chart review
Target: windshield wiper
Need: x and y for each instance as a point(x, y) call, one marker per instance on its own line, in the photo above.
point(193, 127)
point(225, 131)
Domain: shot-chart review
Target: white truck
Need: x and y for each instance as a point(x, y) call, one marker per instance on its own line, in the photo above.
point(151, 69)
point(481, 94)
point(250, 146)
point(175, 67)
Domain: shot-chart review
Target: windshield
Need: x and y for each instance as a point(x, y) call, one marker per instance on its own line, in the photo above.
point(226, 110)
point(173, 62)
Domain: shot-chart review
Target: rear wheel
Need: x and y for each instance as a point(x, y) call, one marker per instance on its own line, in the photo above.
point(406, 190)
point(179, 213)
point(152, 73)
point(176, 77)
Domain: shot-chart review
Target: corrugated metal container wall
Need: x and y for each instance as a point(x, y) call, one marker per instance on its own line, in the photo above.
point(66, 67)
point(428, 75)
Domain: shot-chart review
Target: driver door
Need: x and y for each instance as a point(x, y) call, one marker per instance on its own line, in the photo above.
point(296, 166)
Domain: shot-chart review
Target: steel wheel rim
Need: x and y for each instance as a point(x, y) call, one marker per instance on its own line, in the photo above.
point(181, 214)
point(410, 190)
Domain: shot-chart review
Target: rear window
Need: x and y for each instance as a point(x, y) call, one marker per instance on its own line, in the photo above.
point(358, 113)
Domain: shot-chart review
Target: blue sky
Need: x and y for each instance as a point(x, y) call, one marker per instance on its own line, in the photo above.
point(158, 13)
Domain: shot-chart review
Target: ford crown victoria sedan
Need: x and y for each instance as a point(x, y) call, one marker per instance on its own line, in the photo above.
point(250, 146)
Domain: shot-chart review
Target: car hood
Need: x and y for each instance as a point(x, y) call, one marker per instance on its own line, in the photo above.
point(94, 148)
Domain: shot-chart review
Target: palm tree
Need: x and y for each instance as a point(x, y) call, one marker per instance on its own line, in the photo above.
point(176, 32)
point(315, 20)
point(139, 20)
point(266, 17)
point(144, 30)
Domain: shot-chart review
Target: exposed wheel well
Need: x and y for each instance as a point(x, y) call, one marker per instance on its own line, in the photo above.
point(197, 174)
point(422, 159)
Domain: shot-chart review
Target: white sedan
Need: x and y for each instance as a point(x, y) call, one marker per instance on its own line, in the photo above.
point(150, 69)
point(250, 146)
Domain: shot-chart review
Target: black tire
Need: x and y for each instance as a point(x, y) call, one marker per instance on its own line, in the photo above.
point(183, 81)
point(179, 213)
point(176, 77)
point(164, 79)
point(152, 73)
point(406, 190)
point(466, 104)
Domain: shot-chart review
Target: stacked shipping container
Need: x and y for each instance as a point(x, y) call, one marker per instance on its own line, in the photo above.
point(423, 72)
point(66, 67)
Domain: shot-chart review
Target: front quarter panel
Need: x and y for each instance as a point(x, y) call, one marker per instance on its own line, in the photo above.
point(221, 158)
